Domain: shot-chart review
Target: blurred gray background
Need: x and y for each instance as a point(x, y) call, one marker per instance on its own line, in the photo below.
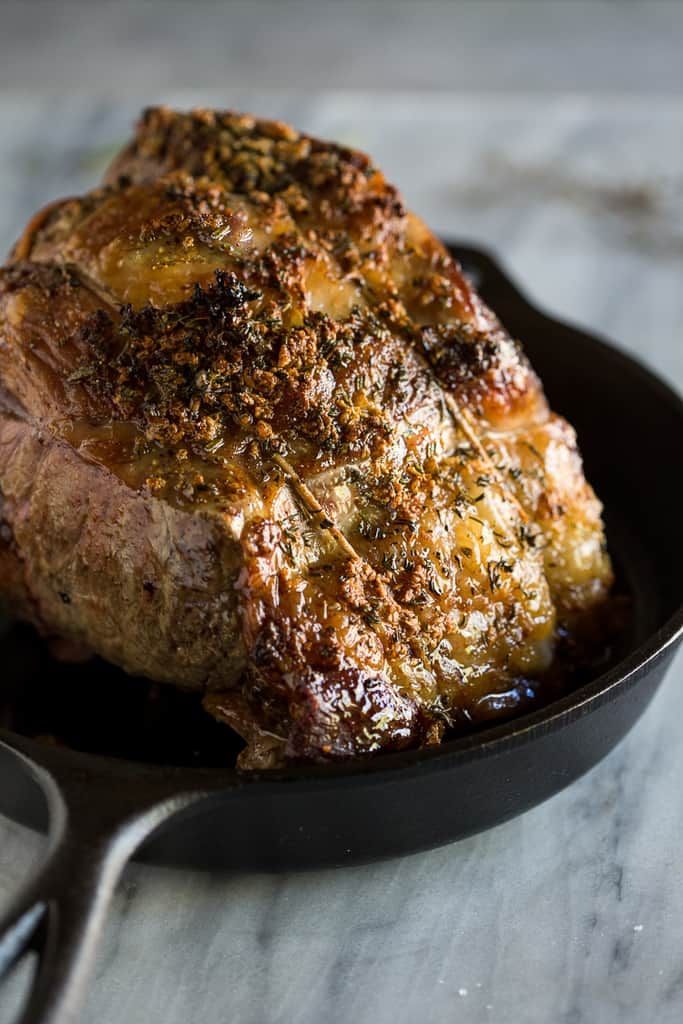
point(551, 132)
point(134, 46)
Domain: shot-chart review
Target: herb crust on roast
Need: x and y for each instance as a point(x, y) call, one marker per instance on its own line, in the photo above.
point(259, 437)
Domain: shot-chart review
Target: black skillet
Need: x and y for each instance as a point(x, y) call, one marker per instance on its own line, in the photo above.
point(142, 766)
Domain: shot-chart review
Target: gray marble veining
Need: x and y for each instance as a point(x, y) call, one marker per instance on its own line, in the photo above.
point(573, 913)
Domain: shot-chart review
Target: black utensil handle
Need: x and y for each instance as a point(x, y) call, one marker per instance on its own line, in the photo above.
point(94, 830)
point(64, 909)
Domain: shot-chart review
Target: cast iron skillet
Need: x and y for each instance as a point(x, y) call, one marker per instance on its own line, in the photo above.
point(102, 808)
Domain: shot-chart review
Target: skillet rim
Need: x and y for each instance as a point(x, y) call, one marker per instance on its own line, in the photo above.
point(490, 742)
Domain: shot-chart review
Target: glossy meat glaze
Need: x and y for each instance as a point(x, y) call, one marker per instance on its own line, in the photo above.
point(259, 437)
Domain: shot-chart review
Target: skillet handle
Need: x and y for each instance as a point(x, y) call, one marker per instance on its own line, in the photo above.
point(93, 833)
point(63, 911)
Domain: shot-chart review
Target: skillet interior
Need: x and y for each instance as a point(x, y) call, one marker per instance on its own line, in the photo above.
point(630, 428)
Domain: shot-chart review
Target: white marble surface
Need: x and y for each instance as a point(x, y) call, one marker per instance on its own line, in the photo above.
point(573, 913)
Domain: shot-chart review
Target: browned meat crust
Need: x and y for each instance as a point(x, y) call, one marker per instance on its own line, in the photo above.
point(259, 437)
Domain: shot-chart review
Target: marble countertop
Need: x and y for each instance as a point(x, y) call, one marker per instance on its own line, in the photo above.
point(572, 913)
